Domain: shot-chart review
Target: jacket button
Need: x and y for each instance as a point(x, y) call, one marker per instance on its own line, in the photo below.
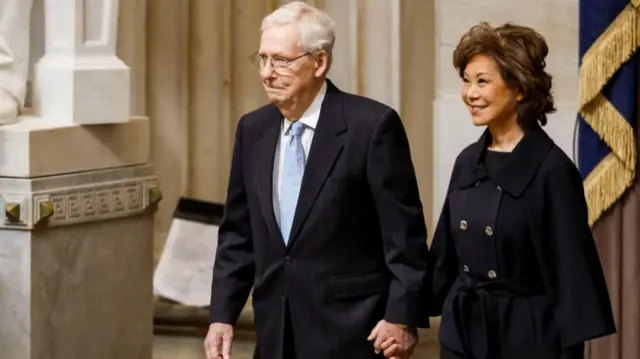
point(488, 231)
point(287, 260)
point(465, 268)
point(499, 188)
point(492, 274)
point(463, 225)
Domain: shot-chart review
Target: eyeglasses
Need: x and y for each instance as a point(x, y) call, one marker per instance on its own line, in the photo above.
point(259, 62)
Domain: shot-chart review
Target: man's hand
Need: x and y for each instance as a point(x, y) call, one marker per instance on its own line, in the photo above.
point(217, 344)
point(394, 341)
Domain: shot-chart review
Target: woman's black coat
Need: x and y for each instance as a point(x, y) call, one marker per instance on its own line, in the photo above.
point(516, 271)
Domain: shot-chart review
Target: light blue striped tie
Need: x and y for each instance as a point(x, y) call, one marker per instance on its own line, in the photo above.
point(292, 171)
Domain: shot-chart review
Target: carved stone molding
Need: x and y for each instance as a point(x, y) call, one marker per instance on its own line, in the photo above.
point(78, 198)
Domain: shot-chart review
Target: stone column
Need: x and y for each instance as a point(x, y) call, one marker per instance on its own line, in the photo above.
point(80, 79)
point(76, 229)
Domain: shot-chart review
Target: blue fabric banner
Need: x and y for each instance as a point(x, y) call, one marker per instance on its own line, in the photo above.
point(608, 101)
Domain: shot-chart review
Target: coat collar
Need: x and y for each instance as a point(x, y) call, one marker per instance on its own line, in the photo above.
point(518, 169)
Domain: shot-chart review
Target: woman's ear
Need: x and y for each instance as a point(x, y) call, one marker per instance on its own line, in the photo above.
point(519, 95)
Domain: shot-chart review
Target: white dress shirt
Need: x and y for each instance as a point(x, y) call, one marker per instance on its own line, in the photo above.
point(310, 120)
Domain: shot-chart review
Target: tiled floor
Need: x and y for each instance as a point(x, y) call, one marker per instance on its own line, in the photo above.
point(191, 346)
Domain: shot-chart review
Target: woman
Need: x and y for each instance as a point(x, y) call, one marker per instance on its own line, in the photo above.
point(516, 273)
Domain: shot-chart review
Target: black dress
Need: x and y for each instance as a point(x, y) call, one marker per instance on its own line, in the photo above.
point(516, 272)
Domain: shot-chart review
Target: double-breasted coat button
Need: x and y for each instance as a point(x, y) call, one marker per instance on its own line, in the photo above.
point(465, 268)
point(492, 274)
point(488, 231)
point(463, 225)
point(499, 188)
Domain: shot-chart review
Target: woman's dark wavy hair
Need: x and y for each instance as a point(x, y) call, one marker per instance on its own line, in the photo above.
point(520, 53)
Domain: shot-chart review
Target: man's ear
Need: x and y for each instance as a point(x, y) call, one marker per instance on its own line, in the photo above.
point(321, 63)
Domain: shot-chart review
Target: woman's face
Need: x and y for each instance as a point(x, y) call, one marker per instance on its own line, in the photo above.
point(487, 96)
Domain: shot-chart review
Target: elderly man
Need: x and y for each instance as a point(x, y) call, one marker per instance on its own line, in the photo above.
point(323, 216)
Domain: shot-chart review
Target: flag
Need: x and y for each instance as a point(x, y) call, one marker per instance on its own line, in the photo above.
point(607, 105)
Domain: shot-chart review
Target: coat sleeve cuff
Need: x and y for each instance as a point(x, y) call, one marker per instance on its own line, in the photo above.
point(409, 310)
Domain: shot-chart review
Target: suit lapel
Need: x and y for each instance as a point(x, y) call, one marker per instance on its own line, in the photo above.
point(264, 152)
point(325, 148)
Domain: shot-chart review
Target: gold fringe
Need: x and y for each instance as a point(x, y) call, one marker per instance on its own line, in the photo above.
point(613, 129)
point(605, 185)
point(608, 181)
point(612, 49)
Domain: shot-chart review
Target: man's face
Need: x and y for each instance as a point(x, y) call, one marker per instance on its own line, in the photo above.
point(279, 45)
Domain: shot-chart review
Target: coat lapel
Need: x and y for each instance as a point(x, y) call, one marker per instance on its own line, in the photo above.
point(325, 148)
point(264, 152)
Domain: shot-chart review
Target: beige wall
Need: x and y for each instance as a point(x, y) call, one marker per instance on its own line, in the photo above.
point(191, 76)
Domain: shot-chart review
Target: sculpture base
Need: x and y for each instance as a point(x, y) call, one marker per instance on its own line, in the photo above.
point(33, 147)
point(8, 108)
point(77, 281)
point(80, 90)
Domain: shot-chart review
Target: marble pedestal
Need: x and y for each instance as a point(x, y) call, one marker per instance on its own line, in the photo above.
point(76, 242)
point(34, 147)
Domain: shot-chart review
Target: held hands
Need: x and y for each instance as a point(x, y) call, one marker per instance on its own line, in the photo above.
point(393, 341)
point(217, 344)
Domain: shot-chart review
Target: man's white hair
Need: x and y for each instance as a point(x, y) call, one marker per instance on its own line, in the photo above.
point(317, 29)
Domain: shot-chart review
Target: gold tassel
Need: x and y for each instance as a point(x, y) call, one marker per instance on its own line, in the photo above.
point(608, 181)
point(605, 185)
point(613, 129)
point(612, 49)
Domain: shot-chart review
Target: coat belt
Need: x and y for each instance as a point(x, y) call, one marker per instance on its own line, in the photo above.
point(485, 290)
